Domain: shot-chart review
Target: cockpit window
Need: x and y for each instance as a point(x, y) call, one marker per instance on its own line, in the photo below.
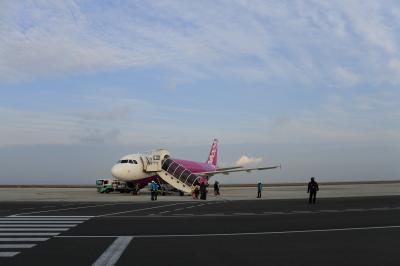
point(128, 161)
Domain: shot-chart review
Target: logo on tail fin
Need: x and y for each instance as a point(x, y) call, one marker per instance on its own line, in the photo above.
point(212, 158)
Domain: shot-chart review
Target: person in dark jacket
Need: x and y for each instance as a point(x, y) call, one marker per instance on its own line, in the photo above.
point(259, 189)
point(216, 188)
point(203, 191)
point(312, 190)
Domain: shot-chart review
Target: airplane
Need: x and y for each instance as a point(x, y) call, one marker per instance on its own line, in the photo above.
point(137, 170)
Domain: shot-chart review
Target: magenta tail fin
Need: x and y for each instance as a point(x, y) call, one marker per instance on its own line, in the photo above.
point(212, 158)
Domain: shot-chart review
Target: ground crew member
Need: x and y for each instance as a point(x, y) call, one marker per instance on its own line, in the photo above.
point(203, 191)
point(153, 190)
point(259, 189)
point(312, 190)
point(216, 188)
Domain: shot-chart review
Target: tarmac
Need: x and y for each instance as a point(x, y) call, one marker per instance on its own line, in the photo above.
point(228, 193)
point(360, 228)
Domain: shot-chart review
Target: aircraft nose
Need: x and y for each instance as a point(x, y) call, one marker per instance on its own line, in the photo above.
point(116, 171)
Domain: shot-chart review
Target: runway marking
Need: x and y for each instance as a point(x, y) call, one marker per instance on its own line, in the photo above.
point(39, 222)
point(17, 245)
point(23, 239)
point(179, 209)
point(354, 210)
point(273, 213)
point(37, 225)
point(27, 208)
point(67, 209)
point(29, 234)
point(113, 252)
point(294, 212)
point(21, 227)
point(8, 254)
point(20, 218)
point(164, 212)
point(143, 209)
point(53, 216)
point(34, 229)
point(245, 234)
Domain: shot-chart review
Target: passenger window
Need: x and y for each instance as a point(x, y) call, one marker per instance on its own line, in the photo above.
point(156, 157)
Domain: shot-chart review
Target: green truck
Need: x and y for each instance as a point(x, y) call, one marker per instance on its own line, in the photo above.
point(104, 185)
point(110, 185)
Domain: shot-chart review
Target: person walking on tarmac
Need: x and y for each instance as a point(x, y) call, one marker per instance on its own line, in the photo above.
point(203, 191)
point(312, 190)
point(216, 188)
point(259, 189)
point(153, 190)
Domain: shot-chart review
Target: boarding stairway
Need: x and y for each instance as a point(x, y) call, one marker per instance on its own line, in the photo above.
point(178, 176)
point(170, 171)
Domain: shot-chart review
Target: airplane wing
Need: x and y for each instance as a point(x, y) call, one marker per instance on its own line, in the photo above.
point(228, 170)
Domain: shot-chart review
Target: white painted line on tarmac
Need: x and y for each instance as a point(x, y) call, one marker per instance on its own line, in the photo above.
point(29, 234)
point(354, 210)
point(34, 229)
point(67, 209)
point(164, 212)
point(39, 222)
point(273, 213)
point(246, 234)
point(276, 232)
point(143, 209)
point(8, 254)
point(244, 213)
point(17, 245)
point(113, 252)
point(41, 219)
point(53, 216)
point(37, 225)
point(23, 239)
point(189, 207)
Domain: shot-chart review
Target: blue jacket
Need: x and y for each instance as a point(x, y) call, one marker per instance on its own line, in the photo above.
point(259, 186)
point(153, 186)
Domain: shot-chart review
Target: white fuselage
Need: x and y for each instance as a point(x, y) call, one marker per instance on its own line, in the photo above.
point(129, 168)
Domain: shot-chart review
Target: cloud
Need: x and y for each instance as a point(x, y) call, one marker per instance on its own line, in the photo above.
point(301, 43)
point(96, 135)
point(346, 77)
point(245, 161)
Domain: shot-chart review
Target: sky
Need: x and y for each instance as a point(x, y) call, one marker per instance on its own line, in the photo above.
point(311, 85)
